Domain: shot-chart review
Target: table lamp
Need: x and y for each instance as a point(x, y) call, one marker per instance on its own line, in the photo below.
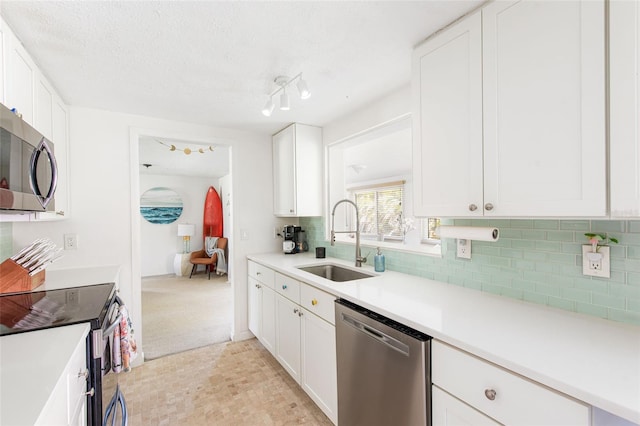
point(186, 231)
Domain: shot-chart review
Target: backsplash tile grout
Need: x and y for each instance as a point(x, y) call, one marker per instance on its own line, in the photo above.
point(535, 260)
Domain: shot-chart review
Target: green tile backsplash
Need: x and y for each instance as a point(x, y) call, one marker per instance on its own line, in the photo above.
point(539, 261)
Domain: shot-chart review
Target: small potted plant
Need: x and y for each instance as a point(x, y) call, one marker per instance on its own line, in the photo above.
point(599, 240)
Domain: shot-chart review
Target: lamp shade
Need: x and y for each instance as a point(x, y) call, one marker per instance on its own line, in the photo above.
point(284, 101)
point(268, 108)
point(305, 93)
point(186, 230)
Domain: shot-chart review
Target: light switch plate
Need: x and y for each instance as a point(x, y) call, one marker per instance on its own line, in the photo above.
point(596, 264)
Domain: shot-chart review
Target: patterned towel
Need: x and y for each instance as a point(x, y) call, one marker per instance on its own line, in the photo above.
point(124, 345)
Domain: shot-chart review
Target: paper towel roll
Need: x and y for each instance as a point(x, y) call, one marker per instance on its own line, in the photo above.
point(469, 233)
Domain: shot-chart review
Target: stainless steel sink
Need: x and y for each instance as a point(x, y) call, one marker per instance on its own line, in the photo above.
point(335, 272)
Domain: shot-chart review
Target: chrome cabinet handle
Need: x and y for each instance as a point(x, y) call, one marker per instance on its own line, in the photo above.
point(488, 207)
point(290, 210)
point(490, 394)
point(473, 207)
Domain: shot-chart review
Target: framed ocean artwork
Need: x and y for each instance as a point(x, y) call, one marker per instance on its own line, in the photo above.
point(160, 205)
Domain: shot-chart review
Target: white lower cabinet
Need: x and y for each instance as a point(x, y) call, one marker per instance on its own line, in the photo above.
point(450, 411)
point(495, 392)
point(262, 301)
point(318, 348)
point(288, 335)
point(304, 335)
point(67, 404)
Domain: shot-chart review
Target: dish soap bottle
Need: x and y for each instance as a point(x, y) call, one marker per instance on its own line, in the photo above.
point(378, 261)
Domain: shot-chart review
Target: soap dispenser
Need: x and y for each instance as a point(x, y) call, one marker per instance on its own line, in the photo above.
point(378, 261)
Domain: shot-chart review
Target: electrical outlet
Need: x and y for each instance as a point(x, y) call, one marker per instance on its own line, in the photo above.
point(463, 248)
point(70, 241)
point(596, 264)
point(72, 297)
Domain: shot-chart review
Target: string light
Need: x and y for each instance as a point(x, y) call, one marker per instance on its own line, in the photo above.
point(186, 150)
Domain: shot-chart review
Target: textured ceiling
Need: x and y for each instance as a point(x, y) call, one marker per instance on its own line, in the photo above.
point(214, 62)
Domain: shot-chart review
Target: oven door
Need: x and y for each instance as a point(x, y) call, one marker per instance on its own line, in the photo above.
point(99, 359)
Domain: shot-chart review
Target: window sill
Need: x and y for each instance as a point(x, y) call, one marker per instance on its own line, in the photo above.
point(430, 250)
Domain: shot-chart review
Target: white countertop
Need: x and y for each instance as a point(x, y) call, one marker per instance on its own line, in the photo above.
point(30, 366)
point(77, 277)
point(592, 359)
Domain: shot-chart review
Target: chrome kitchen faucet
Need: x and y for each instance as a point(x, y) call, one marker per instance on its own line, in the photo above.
point(359, 258)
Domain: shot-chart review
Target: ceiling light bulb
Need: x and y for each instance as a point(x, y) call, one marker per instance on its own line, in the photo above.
point(305, 93)
point(268, 108)
point(284, 101)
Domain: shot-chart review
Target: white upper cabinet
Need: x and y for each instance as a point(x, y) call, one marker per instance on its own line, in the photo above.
point(510, 109)
point(624, 112)
point(24, 87)
point(297, 171)
point(447, 124)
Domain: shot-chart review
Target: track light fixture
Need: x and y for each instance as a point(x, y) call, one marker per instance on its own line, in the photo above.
point(283, 82)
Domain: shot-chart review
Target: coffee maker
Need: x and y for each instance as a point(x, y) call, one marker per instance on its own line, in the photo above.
point(289, 233)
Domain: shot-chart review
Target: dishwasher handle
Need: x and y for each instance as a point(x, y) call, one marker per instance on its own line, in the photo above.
point(380, 336)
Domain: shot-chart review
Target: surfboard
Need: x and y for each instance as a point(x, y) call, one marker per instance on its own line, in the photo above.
point(212, 219)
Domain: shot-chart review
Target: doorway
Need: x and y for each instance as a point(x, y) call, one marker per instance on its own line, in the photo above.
point(181, 313)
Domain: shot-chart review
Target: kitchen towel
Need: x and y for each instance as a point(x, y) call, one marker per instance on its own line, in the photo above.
point(124, 345)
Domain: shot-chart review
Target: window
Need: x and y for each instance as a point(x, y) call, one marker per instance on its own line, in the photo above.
point(429, 226)
point(380, 211)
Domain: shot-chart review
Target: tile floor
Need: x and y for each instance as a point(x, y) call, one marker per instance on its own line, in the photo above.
point(232, 383)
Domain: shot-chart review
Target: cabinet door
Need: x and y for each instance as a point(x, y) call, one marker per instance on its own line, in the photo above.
point(284, 184)
point(449, 411)
point(268, 329)
point(21, 73)
point(288, 336)
point(544, 108)
point(255, 306)
point(624, 116)
point(447, 125)
point(43, 120)
point(319, 363)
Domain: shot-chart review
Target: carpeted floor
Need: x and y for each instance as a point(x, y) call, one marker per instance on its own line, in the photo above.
point(179, 313)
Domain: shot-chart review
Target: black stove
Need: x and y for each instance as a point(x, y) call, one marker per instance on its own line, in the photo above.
point(20, 312)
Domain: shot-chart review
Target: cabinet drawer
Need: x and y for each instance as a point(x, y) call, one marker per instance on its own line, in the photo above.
point(318, 302)
point(515, 400)
point(261, 273)
point(288, 287)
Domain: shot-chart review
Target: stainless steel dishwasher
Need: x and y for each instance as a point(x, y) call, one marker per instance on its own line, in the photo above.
point(384, 370)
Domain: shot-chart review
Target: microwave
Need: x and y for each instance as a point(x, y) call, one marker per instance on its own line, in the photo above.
point(28, 170)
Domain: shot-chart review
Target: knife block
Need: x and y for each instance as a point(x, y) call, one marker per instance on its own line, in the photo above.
point(15, 279)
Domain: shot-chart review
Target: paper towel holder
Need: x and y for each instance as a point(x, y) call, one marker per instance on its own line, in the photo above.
point(477, 233)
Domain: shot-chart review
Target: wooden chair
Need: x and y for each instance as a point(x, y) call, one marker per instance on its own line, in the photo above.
point(200, 257)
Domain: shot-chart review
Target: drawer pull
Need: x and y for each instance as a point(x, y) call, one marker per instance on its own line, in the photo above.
point(284, 286)
point(314, 302)
point(473, 207)
point(91, 392)
point(295, 310)
point(490, 394)
point(258, 273)
point(84, 374)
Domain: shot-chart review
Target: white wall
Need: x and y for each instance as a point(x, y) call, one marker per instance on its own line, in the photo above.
point(104, 198)
point(160, 242)
point(396, 104)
